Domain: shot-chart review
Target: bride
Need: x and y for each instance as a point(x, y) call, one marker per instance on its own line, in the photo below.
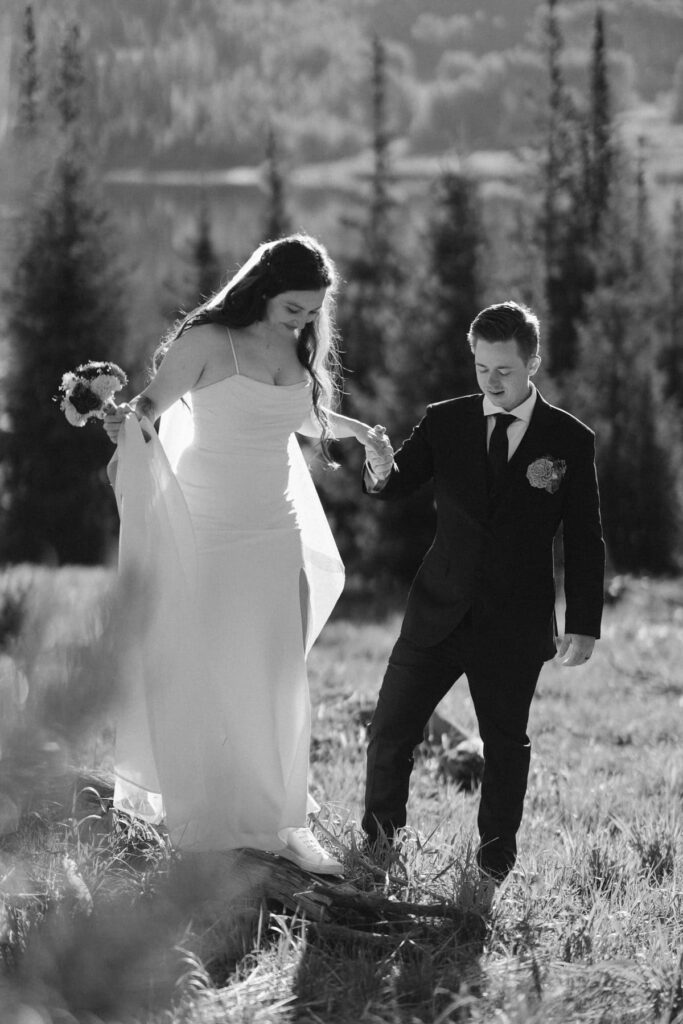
point(223, 533)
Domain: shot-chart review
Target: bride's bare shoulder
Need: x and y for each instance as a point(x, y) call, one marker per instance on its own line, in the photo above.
point(203, 343)
point(207, 335)
point(207, 348)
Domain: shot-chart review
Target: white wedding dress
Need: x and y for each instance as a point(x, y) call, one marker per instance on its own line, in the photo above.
point(226, 550)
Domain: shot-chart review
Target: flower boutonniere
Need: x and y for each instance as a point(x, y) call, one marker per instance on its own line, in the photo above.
point(546, 473)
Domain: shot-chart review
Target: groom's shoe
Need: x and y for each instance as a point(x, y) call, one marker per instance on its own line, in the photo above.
point(303, 849)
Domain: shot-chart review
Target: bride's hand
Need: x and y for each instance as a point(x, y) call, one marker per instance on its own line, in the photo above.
point(113, 419)
point(378, 451)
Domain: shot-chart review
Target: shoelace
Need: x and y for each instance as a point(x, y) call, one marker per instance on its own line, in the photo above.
point(308, 839)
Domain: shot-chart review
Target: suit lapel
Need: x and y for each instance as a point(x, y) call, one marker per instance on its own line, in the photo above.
point(533, 436)
point(465, 437)
point(473, 469)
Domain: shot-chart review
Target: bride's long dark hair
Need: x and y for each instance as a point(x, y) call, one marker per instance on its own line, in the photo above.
point(295, 263)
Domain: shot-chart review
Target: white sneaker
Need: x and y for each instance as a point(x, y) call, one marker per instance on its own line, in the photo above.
point(304, 849)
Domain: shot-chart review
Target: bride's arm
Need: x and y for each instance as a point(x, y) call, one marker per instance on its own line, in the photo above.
point(340, 427)
point(180, 370)
point(378, 451)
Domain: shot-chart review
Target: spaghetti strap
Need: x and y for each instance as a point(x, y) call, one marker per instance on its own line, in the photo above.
point(237, 369)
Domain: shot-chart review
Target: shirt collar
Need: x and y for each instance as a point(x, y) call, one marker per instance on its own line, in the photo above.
point(523, 411)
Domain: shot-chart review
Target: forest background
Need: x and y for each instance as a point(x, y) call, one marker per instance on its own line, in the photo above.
point(448, 155)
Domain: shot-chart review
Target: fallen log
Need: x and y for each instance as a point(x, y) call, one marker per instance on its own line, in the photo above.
point(222, 883)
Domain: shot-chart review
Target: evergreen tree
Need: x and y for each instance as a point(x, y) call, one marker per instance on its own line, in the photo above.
point(68, 92)
point(277, 223)
point(371, 318)
point(672, 355)
point(617, 391)
point(379, 226)
point(559, 142)
point(65, 305)
point(434, 361)
point(27, 150)
point(601, 156)
point(563, 219)
point(207, 267)
point(200, 270)
point(29, 79)
point(371, 311)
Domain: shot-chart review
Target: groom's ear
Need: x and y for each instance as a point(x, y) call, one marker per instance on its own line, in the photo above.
point(533, 365)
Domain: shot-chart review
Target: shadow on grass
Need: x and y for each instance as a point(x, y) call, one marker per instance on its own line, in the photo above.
point(416, 958)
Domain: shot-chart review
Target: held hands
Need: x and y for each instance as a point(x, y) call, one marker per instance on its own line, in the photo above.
point(378, 451)
point(574, 649)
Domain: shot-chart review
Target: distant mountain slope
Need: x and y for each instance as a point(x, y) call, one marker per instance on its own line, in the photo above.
point(195, 83)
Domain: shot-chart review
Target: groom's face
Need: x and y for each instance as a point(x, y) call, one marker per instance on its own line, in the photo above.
point(502, 373)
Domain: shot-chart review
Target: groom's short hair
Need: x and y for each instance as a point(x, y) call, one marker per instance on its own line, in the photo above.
point(507, 321)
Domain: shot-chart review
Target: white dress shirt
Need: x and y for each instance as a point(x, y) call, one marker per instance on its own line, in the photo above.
point(516, 430)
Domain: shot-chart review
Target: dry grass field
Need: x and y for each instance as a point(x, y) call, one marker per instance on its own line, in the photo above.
point(100, 923)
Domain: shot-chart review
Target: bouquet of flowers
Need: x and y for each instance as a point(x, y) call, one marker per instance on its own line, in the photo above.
point(89, 389)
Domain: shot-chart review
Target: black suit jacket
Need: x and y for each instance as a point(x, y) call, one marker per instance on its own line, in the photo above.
point(493, 555)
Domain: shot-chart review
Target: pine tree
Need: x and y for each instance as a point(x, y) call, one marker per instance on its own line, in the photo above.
point(617, 391)
point(277, 223)
point(208, 270)
point(434, 361)
point(371, 318)
point(563, 220)
point(601, 131)
point(370, 314)
point(558, 144)
point(200, 270)
point(379, 227)
point(65, 305)
point(27, 150)
point(29, 80)
point(68, 93)
point(672, 355)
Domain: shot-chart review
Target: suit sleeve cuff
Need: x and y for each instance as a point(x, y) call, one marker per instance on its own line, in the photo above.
point(373, 484)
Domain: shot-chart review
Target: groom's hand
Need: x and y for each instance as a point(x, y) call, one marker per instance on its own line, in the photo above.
point(574, 649)
point(379, 454)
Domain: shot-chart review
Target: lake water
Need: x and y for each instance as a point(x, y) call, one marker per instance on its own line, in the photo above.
point(158, 221)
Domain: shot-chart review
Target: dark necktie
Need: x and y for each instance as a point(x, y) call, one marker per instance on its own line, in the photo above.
point(498, 448)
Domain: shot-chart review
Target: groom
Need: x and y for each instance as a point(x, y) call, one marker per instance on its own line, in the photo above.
point(509, 470)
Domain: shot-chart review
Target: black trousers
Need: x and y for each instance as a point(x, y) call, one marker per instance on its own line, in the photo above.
point(502, 677)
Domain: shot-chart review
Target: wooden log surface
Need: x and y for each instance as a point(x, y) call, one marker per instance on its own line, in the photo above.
point(220, 881)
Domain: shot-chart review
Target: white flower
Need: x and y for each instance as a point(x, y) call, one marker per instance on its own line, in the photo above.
point(546, 473)
point(105, 386)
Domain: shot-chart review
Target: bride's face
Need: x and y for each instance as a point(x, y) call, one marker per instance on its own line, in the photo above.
point(289, 312)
